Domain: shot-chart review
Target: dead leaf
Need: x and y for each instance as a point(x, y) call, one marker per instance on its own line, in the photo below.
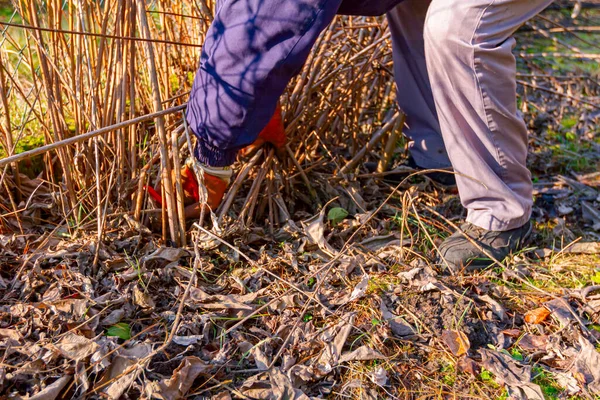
point(537, 316)
point(11, 334)
point(590, 214)
point(113, 318)
point(379, 376)
point(260, 358)
point(513, 333)
point(332, 352)
point(224, 302)
point(363, 353)
point(517, 378)
point(221, 396)
point(181, 381)
point(167, 253)
point(587, 366)
point(359, 291)
point(561, 310)
point(457, 342)
point(121, 373)
point(142, 299)
point(282, 387)
point(76, 308)
point(533, 342)
point(188, 340)
point(314, 228)
point(377, 243)
point(51, 391)
point(575, 248)
point(400, 329)
point(75, 347)
point(468, 366)
point(257, 387)
point(584, 248)
point(496, 307)
point(567, 381)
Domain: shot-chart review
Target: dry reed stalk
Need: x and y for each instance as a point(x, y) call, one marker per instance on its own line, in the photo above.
point(311, 189)
point(53, 99)
point(178, 187)
point(235, 187)
point(336, 97)
point(377, 136)
point(251, 198)
point(391, 143)
point(8, 139)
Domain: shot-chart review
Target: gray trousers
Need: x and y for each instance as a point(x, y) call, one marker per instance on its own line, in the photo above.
point(456, 78)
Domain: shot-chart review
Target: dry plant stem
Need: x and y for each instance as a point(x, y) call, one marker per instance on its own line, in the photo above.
point(377, 136)
point(424, 229)
point(270, 202)
point(590, 56)
point(547, 35)
point(311, 189)
point(178, 186)
point(167, 183)
point(86, 136)
point(9, 145)
point(254, 192)
point(13, 204)
point(63, 156)
point(391, 144)
point(231, 194)
point(97, 172)
point(568, 96)
point(572, 31)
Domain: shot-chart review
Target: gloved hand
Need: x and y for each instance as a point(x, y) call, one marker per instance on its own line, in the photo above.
point(273, 133)
point(216, 181)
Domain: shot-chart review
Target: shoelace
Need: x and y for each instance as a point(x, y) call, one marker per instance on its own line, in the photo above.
point(477, 231)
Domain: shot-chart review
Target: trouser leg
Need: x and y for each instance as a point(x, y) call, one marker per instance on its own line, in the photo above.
point(414, 94)
point(468, 46)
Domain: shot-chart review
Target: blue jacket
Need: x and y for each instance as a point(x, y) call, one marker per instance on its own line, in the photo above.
point(252, 50)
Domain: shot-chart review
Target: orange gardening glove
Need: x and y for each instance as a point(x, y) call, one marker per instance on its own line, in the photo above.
point(273, 133)
point(215, 187)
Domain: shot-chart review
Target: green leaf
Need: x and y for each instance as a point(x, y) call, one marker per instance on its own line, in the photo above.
point(516, 354)
point(596, 278)
point(337, 215)
point(121, 330)
point(486, 375)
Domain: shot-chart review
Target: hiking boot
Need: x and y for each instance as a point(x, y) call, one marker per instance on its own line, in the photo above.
point(445, 179)
point(460, 253)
